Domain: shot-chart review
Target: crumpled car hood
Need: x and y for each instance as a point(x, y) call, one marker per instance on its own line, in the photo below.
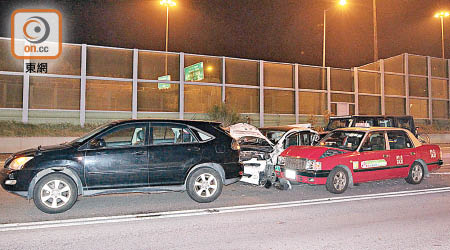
point(240, 130)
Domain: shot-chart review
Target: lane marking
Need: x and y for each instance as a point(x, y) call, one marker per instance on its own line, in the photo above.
point(443, 173)
point(199, 212)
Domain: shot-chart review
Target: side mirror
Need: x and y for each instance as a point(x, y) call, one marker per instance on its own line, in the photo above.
point(97, 143)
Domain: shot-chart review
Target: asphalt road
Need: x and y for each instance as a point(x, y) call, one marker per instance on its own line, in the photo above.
point(379, 215)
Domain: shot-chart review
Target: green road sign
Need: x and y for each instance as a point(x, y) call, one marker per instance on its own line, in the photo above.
point(194, 72)
point(163, 85)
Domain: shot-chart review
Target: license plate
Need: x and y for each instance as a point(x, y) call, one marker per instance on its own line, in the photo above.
point(277, 168)
point(290, 174)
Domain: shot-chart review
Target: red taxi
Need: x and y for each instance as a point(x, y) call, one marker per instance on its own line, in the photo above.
point(354, 155)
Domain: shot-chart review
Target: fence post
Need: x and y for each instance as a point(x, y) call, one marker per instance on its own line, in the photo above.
point(134, 103)
point(181, 85)
point(329, 88)
point(223, 79)
point(406, 70)
point(383, 106)
point(356, 86)
point(261, 93)
point(83, 85)
point(26, 88)
point(296, 102)
point(430, 104)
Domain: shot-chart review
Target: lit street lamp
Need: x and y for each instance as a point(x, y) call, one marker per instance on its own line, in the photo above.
point(167, 3)
point(441, 15)
point(341, 3)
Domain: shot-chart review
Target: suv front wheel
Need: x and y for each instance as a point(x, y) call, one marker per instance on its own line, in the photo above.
point(55, 193)
point(204, 185)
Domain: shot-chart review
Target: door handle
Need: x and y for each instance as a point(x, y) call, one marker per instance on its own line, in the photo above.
point(139, 153)
point(195, 149)
point(385, 156)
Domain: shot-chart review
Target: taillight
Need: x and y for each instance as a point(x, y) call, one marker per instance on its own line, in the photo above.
point(235, 145)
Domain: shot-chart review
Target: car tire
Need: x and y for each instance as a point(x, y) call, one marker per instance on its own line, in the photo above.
point(416, 174)
point(204, 185)
point(55, 193)
point(337, 181)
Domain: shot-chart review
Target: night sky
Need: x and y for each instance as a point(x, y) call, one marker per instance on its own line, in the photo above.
point(272, 30)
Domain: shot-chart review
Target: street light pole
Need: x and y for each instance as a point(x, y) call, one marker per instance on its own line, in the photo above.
point(342, 3)
point(324, 37)
point(375, 35)
point(167, 3)
point(442, 36)
point(441, 15)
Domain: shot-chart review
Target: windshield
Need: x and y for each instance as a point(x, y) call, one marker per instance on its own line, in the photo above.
point(273, 135)
point(89, 134)
point(253, 141)
point(348, 140)
point(339, 123)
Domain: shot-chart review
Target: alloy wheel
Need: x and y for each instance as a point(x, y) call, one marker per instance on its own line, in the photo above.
point(205, 185)
point(55, 193)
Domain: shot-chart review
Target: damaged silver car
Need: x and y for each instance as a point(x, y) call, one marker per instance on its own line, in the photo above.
point(260, 148)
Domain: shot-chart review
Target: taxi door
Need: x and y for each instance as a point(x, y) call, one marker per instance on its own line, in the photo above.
point(402, 153)
point(372, 162)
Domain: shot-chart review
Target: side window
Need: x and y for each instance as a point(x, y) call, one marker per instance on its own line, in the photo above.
point(386, 122)
point(399, 140)
point(291, 140)
point(404, 123)
point(306, 138)
point(202, 135)
point(374, 142)
point(127, 135)
point(171, 134)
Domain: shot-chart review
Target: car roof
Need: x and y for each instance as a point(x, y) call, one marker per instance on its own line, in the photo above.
point(190, 122)
point(371, 116)
point(365, 129)
point(286, 128)
point(414, 140)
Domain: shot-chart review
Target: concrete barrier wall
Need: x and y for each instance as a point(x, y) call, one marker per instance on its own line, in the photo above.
point(14, 144)
point(440, 138)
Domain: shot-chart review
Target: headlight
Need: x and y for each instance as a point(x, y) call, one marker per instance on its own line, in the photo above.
point(313, 165)
point(281, 160)
point(18, 163)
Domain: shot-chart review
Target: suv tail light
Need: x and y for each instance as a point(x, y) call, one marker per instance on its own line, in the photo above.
point(235, 145)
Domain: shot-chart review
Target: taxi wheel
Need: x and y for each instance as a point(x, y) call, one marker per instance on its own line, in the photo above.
point(415, 175)
point(55, 193)
point(337, 181)
point(204, 185)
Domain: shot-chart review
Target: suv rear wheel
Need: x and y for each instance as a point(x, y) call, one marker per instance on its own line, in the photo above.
point(204, 185)
point(55, 193)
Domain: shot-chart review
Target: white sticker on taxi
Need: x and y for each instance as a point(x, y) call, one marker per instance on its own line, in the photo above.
point(373, 163)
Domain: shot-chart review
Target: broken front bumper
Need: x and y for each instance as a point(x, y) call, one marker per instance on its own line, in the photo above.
point(302, 176)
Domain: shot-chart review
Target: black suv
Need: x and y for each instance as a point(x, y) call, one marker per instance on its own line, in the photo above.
point(127, 156)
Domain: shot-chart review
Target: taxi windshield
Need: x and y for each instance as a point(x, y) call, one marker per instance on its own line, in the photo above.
point(347, 140)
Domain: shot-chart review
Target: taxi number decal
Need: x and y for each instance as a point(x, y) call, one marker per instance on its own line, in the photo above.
point(432, 153)
point(373, 163)
point(399, 159)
